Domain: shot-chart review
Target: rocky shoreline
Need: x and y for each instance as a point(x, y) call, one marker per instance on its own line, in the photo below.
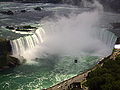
point(11, 63)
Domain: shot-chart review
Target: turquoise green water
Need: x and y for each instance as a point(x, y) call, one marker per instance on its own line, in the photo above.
point(48, 72)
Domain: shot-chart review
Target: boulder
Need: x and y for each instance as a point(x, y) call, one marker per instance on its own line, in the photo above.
point(9, 12)
point(23, 11)
point(26, 28)
point(10, 27)
point(38, 8)
point(118, 41)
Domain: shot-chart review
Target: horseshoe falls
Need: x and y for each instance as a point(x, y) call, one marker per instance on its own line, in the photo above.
point(66, 34)
point(75, 35)
point(26, 44)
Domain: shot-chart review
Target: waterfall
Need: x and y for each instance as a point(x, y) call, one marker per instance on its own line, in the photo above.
point(80, 34)
point(100, 42)
point(107, 37)
point(23, 44)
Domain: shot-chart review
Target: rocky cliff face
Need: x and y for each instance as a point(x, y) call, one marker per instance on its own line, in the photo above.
point(6, 61)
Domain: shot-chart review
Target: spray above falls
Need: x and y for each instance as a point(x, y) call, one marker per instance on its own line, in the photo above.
point(78, 34)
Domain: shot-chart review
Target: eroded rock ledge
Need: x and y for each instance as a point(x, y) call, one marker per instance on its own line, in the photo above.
point(6, 61)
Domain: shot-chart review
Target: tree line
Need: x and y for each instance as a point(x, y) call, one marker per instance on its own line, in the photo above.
point(106, 77)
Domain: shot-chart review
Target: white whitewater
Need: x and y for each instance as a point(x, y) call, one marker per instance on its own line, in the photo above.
point(77, 35)
point(24, 45)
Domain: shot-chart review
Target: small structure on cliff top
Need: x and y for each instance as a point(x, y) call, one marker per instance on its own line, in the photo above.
point(117, 46)
point(75, 86)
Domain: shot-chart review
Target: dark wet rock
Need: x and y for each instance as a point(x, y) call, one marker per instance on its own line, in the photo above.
point(23, 11)
point(10, 27)
point(13, 62)
point(28, 27)
point(10, 62)
point(9, 47)
point(6, 61)
point(25, 28)
point(9, 12)
point(38, 8)
point(4, 46)
point(5, 67)
point(118, 40)
point(4, 51)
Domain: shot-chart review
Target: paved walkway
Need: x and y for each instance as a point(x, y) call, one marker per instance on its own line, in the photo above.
point(64, 85)
point(79, 78)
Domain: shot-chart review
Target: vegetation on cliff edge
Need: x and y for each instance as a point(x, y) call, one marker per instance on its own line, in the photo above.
point(106, 77)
